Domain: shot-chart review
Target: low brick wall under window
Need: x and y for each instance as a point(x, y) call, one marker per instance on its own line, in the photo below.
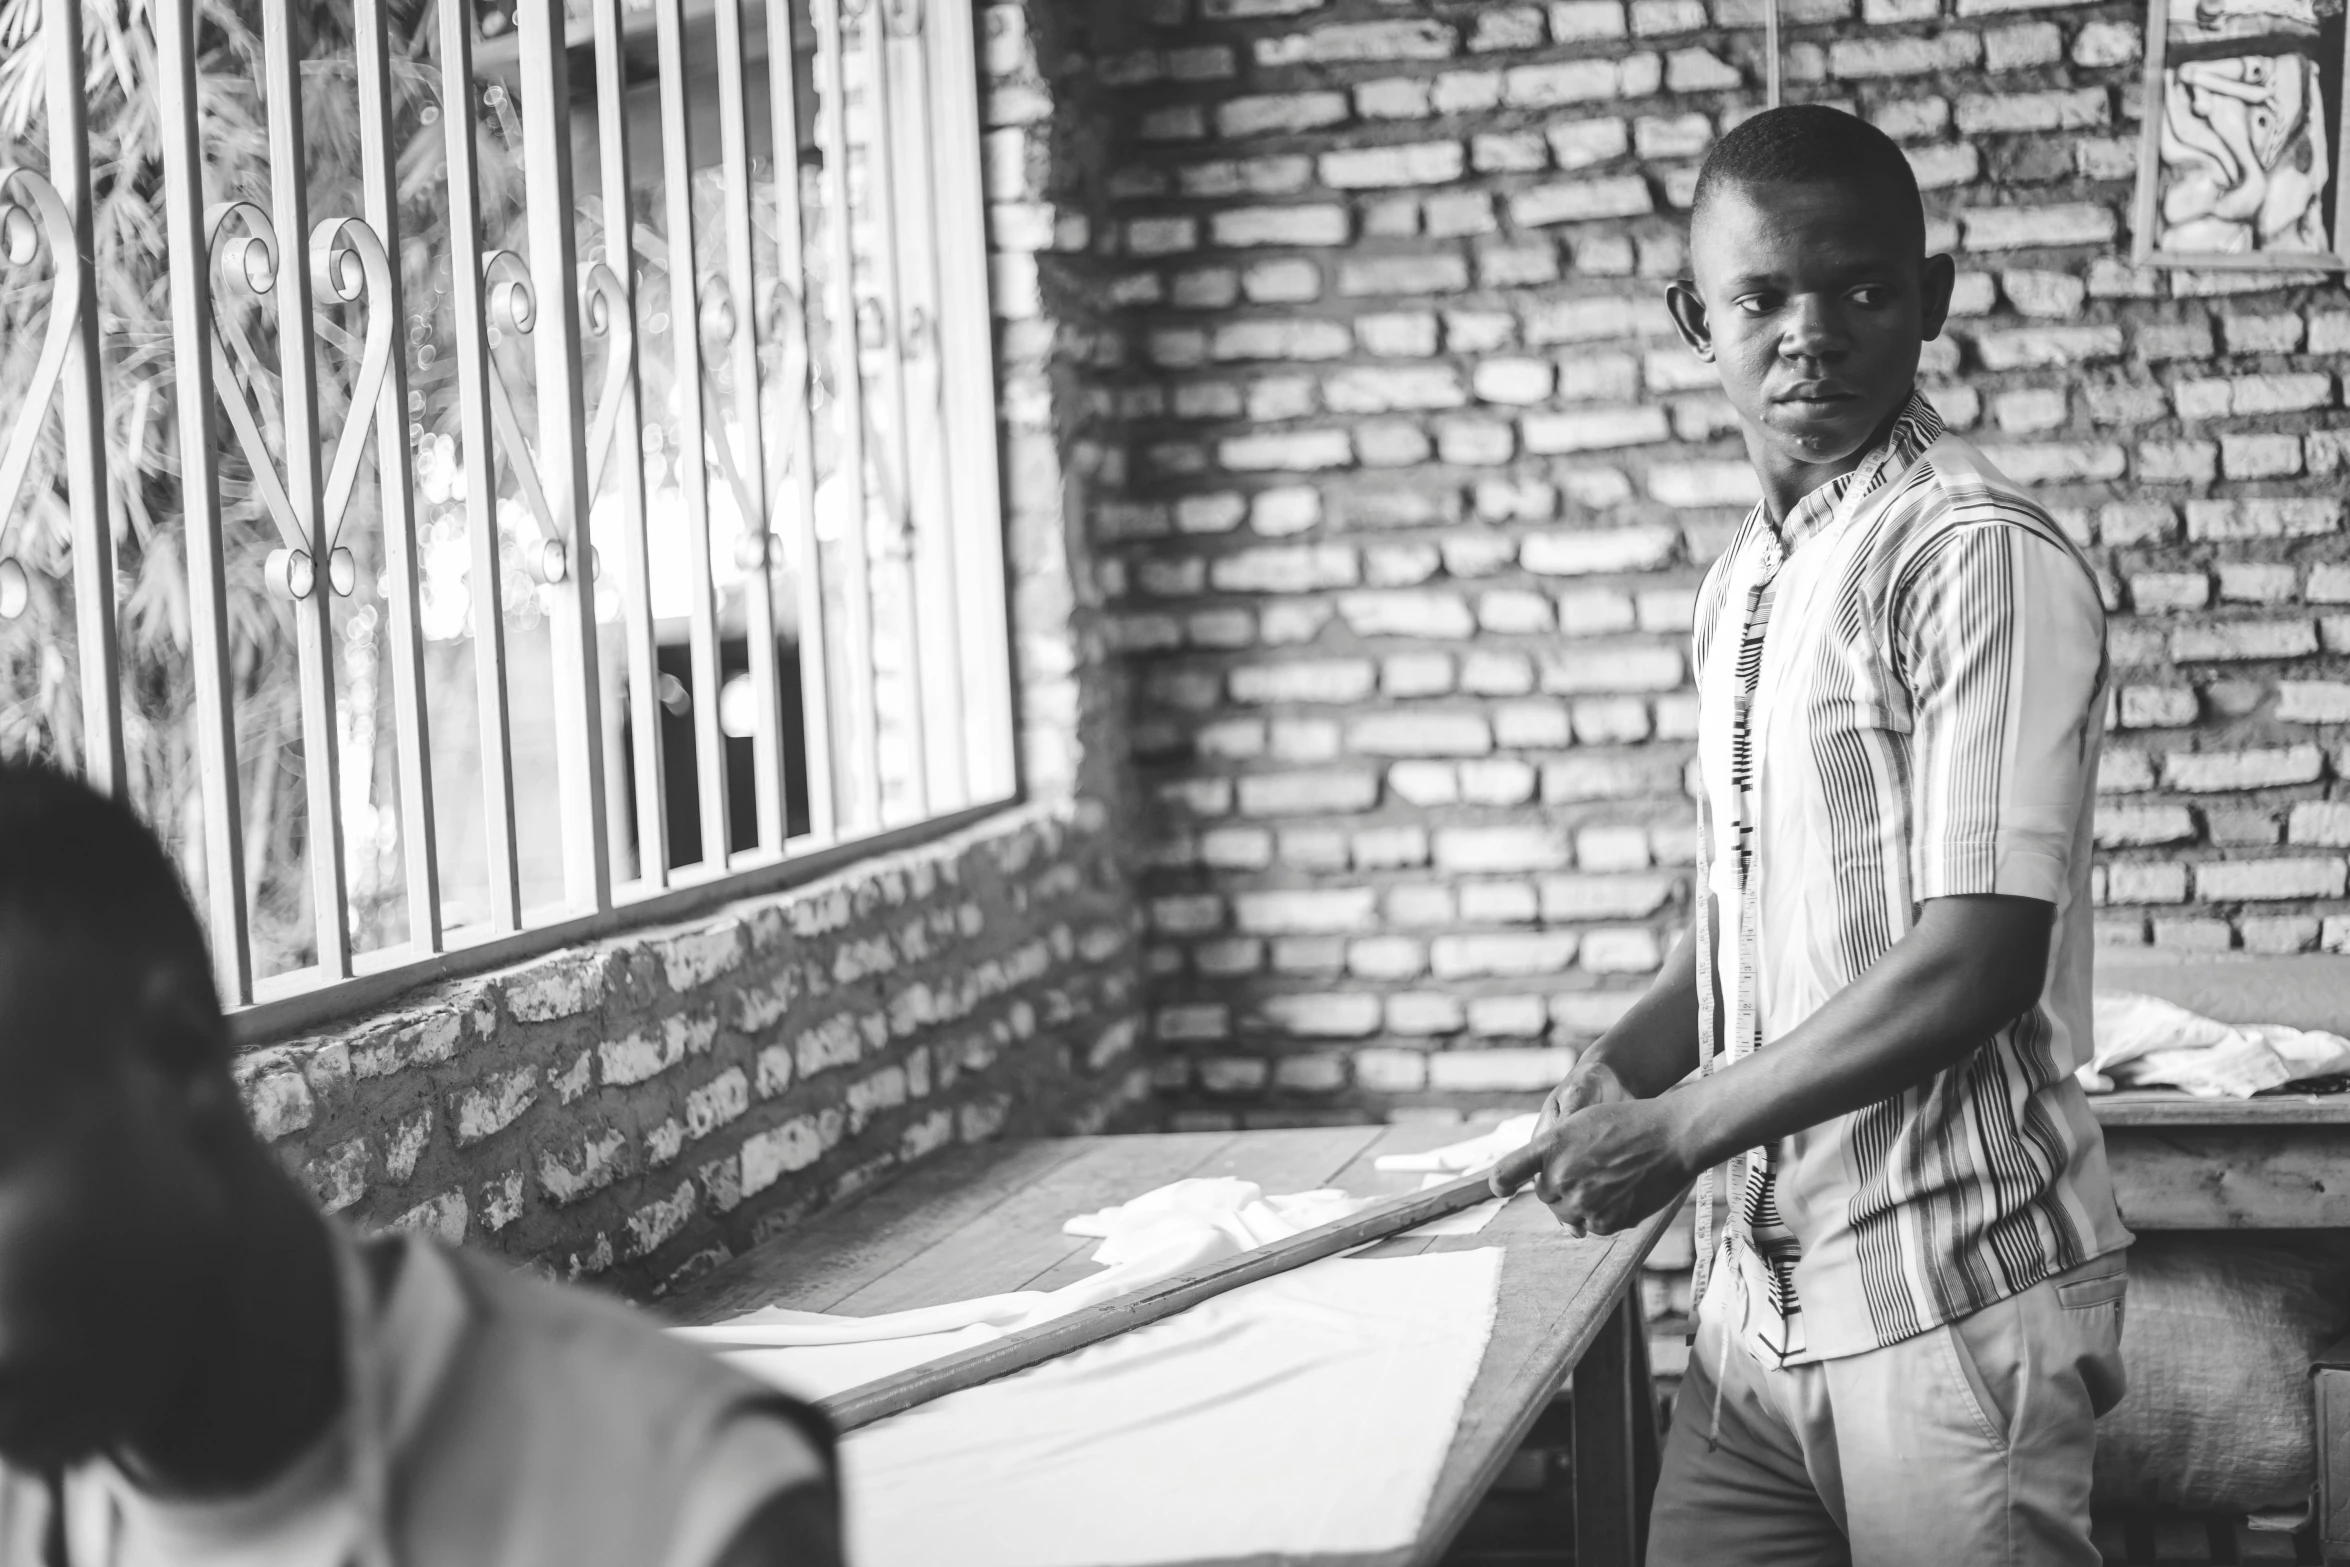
point(642, 1108)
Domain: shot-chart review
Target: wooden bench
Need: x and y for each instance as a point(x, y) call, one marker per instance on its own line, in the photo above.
point(978, 1220)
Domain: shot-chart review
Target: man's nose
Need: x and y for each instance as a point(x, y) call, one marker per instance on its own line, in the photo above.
point(1813, 331)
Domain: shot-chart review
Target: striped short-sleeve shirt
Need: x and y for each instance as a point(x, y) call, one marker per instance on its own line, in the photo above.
point(1901, 693)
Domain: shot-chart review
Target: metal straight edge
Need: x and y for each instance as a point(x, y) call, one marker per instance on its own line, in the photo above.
point(895, 477)
point(929, 523)
point(411, 720)
point(886, 1396)
point(82, 399)
point(208, 636)
point(467, 307)
point(628, 452)
point(297, 339)
point(796, 392)
point(750, 430)
point(553, 218)
point(858, 747)
point(966, 347)
point(693, 459)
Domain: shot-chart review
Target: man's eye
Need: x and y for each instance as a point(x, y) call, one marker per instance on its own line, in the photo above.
point(1756, 304)
point(1872, 296)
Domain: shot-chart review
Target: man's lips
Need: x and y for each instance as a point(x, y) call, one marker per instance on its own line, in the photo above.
point(1815, 394)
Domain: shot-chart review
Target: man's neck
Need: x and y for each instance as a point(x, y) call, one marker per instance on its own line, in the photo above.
point(265, 1375)
point(1787, 480)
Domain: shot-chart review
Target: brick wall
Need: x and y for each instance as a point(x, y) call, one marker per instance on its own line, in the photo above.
point(1421, 486)
point(639, 1109)
point(644, 1108)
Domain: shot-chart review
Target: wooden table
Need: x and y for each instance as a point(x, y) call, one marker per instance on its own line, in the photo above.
point(2279, 1162)
point(978, 1220)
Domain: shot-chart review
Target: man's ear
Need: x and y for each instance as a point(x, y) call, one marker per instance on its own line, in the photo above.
point(1937, 276)
point(1688, 312)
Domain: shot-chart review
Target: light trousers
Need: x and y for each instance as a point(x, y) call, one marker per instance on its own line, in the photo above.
point(1968, 1445)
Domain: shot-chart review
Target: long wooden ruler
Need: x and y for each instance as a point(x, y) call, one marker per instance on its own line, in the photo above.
point(860, 1406)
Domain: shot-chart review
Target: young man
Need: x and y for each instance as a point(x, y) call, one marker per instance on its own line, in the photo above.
point(1912, 1323)
point(196, 1368)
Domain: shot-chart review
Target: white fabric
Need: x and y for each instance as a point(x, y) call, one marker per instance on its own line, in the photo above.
point(1307, 1413)
point(2144, 1042)
point(1185, 1224)
point(1489, 1148)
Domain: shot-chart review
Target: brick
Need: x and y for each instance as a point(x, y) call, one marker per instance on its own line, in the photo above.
point(1578, 898)
point(1580, 81)
point(1300, 451)
point(1420, 733)
point(1400, 614)
point(1356, 41)
point(1502, 953)
point(2263, 518)
point(1622, 951)
point(1596, 551)
point(1305, 911)
point(2241, 639)
point(1583, 320)
point(1443, 273)
point(1338, 680)
point(1704, 484)
point(2313, 702)
point(1524, 1071)
point(1594, 429)
point(2018, 228)
point(1362, 389)
point(1860, 59)
point(2100, 44)
point(1309, 225)
point(2324, 822)
point(2208, 772)
point(1584, 21)
point(1308, 793)
point(2158, 707)
point(1505, 1017)
point(2009, 113)
point(1383, 167)
point(2142, 826)
point(1699, 70)
point(1279, 114)
point(2142, 882)
point(2236, 881)
point(2043, 347)
point(1222, 177)
point(1583, 144)
point(1581, 201)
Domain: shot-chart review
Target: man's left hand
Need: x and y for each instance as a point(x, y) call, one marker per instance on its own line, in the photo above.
point(1609, 1166)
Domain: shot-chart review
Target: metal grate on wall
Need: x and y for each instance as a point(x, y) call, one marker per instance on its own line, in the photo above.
point(479, 473)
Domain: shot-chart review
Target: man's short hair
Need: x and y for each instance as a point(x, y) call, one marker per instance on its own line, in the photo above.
point(82, 878)
point(1811, 144)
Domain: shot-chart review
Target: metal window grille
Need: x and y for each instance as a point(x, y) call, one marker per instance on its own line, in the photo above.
point(479, 472)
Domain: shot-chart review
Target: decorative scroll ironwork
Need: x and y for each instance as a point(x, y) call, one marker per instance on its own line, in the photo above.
point(850, 555)
point(34, 219)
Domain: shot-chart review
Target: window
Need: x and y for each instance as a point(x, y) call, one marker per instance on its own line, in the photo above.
point(550, 503)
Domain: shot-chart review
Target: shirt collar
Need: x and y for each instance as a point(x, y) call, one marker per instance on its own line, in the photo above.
point(1917, 427)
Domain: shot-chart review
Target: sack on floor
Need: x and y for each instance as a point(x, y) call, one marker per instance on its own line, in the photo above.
point(2217, 1335)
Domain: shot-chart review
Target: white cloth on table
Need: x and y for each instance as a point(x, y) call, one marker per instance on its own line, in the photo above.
point(1476, 1153)
point(2145, 1042)
point(1185, 1224)
point(1307, 1413)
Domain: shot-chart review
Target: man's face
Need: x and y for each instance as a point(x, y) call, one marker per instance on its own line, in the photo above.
point(1813, 305)
point(109, 1231)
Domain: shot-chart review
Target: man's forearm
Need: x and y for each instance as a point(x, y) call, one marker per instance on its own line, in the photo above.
point(1654, 1044)
point(1968, 968)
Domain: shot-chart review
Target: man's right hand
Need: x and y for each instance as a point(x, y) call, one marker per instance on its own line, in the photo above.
point(1591, 1082)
